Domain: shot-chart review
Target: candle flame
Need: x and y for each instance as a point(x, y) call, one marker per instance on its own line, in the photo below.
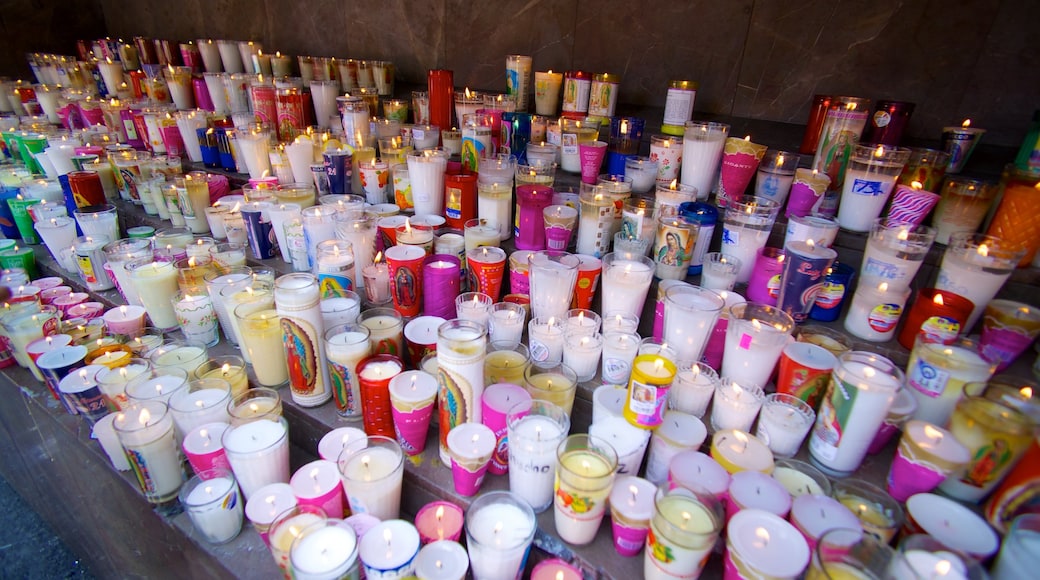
point(468, 94)
point(747, 138)
point(880, 151)
point(916, 185)
point(932, 433)
point(144, 417)
point(883, 287)
point(1026, 392)
point(966, 123)
point(903, 235)
point(983, 250)
point(763, 536)
point(378, 258)
point(938, 300)
point(674, 184)
point(658, 364)
point(740, 436)
point(439, 513)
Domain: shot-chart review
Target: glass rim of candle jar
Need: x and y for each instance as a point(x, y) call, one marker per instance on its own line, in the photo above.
point(751, 206)
point(856, 548)
point(287, 515)
point(590, 443)
point(797, 406)
point(768, 316)
point(928, 156)
point(381, 311)
point(436, 154)
point(811, 330)
point(584, 314)
point(126, 247)
point(711, 505)
point(755, 391)
point(719, 259)
point(535, 368)
point(155, 372)
point(112, 377)
point(1001, 254)
point(254, 393)
point(969, 186)
point(782, 161)
point(881, 154)
point(868, 492)
point(992, 411)
point(211, 277)
point(197, 385)
point(497, 497)
point(660, 139)
point(509, 346)
point(805, 468)
point(1009, 390)
point(652, 345)
point(355, 448)
point(158, 411)
point(922, 542)
point(945, 349)
point(902, 235)
point(342, 557)
point(218, 362)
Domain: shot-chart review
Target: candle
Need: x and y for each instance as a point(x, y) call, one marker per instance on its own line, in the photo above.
point(345, 346)
point(719, 271)
point(626, 281)
point(678, 432)
point(755, 337)
point(535, 430)
point(814, 515)
point(552, 279)
point(582, 354)
point(374, 374)
point(894, 252)
point(945, 520)
point(327, 551)
point(937, 315)
point(937, 373)
point(547, 91)
point(959, 142)
point(506, 323)
point(689, 315)
point(608, 401)
point(761, 544)
point(775, 174)
point(156, 285)
point(739, 451)
point(334, 442)
point(470, 446)
point(683, 532)
point(694, 386)
point(693, 469)
point(740, 160)
point(158, 384)
point(145, 429)
point(318, 484)
point(628, 441)
point(499, 531)
point(995, 434)
point(784, 422)
point(596, 222)
point(1017, 550)
point(736, 406)
point(556, 569)
point(258, 452)
point(496, 402)
point(287, 527)
point(585, 474)
point(204, 401)
point(426, 172)
point(875, 311)
point(926, 456)
point(372, 477)
point(648, 388)
point(203, 448)
point(439, 521)
point(442, 560)
point(619, 351)
point(701, 152)
point(631, 506)
point(963, 205)
point(296, 299)
point(804, 269)
point(212, 502)
point(976, 266)
point(385, 327)
point(747, 222)
point(871, 174)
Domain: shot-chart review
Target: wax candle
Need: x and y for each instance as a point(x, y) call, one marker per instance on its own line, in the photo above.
point(871, 174)
point(755, 336)
point(385, 327)
point(296, 299)
point(926, 456)
point(484, 269)
point(203, 448)
point(552, 276)
point(585, 474)
point(258, 452)
point(784, 422)
point(438, 521)
point(461, 348)
point(498, 399)
point(701, 152)
point(582, 354)
point(937, 373)
point(212, 502)
point(631, 506)
point(318, 484)
point(683, 532)
point(156, 284)
point(963, 205)
point(944, 520)
point(678, 432)
point(628, 441)
point(985, 261)
point(894, 252)
point(761, 543)
point(323, 551)
point(747, 223)
point(619, 351)
point(814, 515)
point(470, 446)
point(372, 477)
point(689, 315)
point(875, 311)
point(499, 531)
point(145, 430)
point(535, 429)
point(736, 405)
point(693, 388)
point(739, 451)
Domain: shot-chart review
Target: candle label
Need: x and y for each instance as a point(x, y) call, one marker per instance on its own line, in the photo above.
point(928, 379)
point(453, 207)
point(343, 390)
point(602, 98)
point(576, 94)
point(884, 317)
point(773, 287)
point(301, 356)
point(869, 187)
point(745, 342)
point(940, 329)
point(833, 419)
point(539, 350)
point(334, 285)
point(615, 370)
point(86, 267)
point(830, 295)
point(646, 402)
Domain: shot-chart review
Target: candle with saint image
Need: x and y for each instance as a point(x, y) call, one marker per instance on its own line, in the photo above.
point(297, 302)
point(926, 456)
point(862, 388)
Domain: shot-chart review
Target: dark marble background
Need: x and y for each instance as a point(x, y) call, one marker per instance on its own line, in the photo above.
point(761, 59)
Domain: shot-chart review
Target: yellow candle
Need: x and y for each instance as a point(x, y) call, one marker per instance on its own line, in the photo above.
point(738, 451)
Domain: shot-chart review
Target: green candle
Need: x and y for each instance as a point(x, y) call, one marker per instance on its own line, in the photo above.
point(20, 211)
point(18, 257)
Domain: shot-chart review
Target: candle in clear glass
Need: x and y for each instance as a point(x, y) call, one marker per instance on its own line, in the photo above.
point(619, 350)
point(719, 271)
point(684, 528)
point(871, 174)
point(372, 476)
point(552, 278)
point(499, 529)
point(701, 152)
point(894, 253)
point(875, 311)
point(693, 388)
point(582, 353)
point(976, 267)
point(156, 285)
point(203, 401)
point(493, 206)
point(643, 171)
point(506, 323)
point(754, 339)
point(783, 423)
point(937, 373)
point(426, 173)
point(775, 175)
point(735, 405)
point(963, 205)
point(689, 315)
point(585, 474)
point(145, 429)
point(747, 222)
point(545, 338)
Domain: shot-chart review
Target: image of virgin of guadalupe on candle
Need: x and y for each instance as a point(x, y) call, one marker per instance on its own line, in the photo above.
point(404, 287)
point(836, 154)
point(672, 252)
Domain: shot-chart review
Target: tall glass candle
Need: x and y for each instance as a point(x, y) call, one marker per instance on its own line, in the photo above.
point(461, 347)
point(296, 300)
point(702, 150)
point(871, 174)
point(976, 267)
point(145, 429)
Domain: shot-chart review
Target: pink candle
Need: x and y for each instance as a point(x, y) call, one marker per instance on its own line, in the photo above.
point(439, 520)
point(319, 484)
point(532, 200)
point(441, 279)
point(495, 404)
point(756, 490)
point(764, 285)
point(815, 515)
point(555, 569)
point(203, 448)
point(698, 469)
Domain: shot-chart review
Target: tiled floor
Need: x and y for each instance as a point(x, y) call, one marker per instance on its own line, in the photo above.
point(28, 547)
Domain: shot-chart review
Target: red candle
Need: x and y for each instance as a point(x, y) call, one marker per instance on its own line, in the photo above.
point(439, 520)
point(441, 86)
point(938, 313)
point(460, 199)
point(374, 374)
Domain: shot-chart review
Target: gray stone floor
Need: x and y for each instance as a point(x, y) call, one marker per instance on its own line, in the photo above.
point(28, 546)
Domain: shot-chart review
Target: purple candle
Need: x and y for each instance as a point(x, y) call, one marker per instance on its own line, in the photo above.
point(804, 270)
point(441, 281)
point(764, 285)
point(532, 199)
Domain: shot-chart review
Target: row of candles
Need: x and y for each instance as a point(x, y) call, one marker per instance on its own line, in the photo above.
point(925, 455)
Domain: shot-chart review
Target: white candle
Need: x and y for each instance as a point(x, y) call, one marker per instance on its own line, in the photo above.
point(498, 535)
point(875, 311)
point(146, 432)
point(626, 283)
point(532, 459)
point(814, 515)
point(442, 560)
point(976, 267)
point(334, 442)
point(296, 300)
point(157, 384)
point(388, 550)
point(946, 520)
point(494, 201)
point(156, 285)
point(755, 337)
point(582, 353)
point(693, 388)
point(689, 316)
point(869, 179)
point(701, 152)
point(628, 441)
point(694, 467)
point(506, 323)
point(736, 405)
point(678, 432)
point(258, 453)
point(608, 401)
point(214, 508)
point(619, 350)
point(323, 552)
point(894, 253)
point(105, 434)
point(783, 424)
point(474, 306)
point(372, 479)
point(937, 373)
point(545, 339)
point(762, 544)
point(426, 172)
point(207, 404)
point(318, 483)
point(757, 491)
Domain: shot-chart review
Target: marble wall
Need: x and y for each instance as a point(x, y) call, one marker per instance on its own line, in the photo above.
point(761, 59)
point(42, 26)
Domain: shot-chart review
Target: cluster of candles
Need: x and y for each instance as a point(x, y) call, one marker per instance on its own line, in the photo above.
point(433, 284)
